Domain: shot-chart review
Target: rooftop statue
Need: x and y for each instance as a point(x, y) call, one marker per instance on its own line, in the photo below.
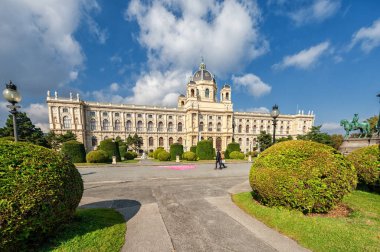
point(364, 127)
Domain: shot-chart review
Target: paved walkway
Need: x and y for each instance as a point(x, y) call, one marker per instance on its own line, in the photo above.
point(181, 210)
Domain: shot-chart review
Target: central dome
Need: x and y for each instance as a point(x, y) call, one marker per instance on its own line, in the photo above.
point(202, 74)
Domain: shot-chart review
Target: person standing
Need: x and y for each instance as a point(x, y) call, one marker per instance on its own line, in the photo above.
point(218, 160)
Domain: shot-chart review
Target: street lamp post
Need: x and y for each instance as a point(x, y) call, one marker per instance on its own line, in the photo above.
point(378, 121)
point(11, 94)
point(274, 114)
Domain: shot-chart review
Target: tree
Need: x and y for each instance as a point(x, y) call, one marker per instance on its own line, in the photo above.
point(316, 135)
point(26, 130)
point(135, 142)
point(373, 123)
point(265, 140)
point(336, 140)
point(55, 141)
point(282, 139)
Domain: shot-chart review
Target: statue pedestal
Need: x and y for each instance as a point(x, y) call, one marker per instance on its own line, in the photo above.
point(352, 144)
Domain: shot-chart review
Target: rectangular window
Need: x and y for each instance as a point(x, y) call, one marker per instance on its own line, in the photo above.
point(117, 114)
point(170, 117)
point(150, 116)
point(92, 113)
point(139, 115)
point(219, 117)
point(65, 110)
point(128, 115)
point(105, 114)
point(210, 117)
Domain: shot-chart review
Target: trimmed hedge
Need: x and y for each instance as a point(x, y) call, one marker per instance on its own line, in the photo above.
point(176, 149)
point(74, 150)
point(40, 190)
point(205, 150)
point(130, 155)
point(97, 156)
point(237, 155)
point(189, 156)
point(366, 162)
point(230, 148)
point(303, 175)
point(193, 149)
point(157, 151)
point(164, 156)
point(111, 147)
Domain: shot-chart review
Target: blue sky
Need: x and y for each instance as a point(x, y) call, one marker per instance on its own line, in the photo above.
point(320, 55)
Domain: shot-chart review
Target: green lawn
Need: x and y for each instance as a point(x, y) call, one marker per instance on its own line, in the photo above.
point(91, 230)
point(360, 231)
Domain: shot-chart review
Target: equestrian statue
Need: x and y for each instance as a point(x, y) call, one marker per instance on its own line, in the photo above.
point(364, 127)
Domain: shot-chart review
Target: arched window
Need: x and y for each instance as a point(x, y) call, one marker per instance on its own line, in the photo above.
point(160, 127)
point(247, 129)
point(254, 128)
point(170, 127)
point(179, 140)
point(182, 103)
point(105, 124)
point(287, 130)
point(150, 141)
point(201, 126)
point(179, 129)
point(247, 142)
point(210, 126)
point(219, 127)
point(150, 126)
point(93, 124)
point(240, 128)
point(139, 126)
point(192, 92)
point(227, 96)
point(160, 142)
point(94, 141)
point(197, 92)
point(210, 139)
point(282, 130)
point(207, 93)
point(240, 141)
point(170, 141)
point(117, 125)
point(66, 122)
point(128, 125)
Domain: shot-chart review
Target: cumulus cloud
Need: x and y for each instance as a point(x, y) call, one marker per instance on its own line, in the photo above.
point(253, 84)
point(38, 50)
point(317, 11)
point(367, 37)
point(38, 114)
point(305, 58)
point(177, 33)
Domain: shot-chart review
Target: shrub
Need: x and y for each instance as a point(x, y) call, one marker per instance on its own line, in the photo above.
point(189, 156)
point(150, 154)
point(230, 148)
point(157, 151)
point(303, 175)
point(111, 147)
point(193, 149)
point(237, 155)
point(176, 149)
point(366, 162)
point(252, 153)
point(122, 150)
point(74, 150)
point(40, 190)
point(130, 155)
point(97, 156)
point(164, 156)
point(204, 150)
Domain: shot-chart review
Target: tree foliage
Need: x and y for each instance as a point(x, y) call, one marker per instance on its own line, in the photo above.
point(265, 140)
point(316, 135)
point(56, 140)
point(373, 123)
point(26, 130)
point(134, 142)
point(336, 140)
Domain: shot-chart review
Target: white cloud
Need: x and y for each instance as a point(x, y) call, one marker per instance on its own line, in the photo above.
point(317, 12)
point(332, 128)
point(38, 50)
point(305, 58)
point(253, 83)
point(177, 33)
point(262, 110)
point(38, 114)
point(101, 35)
point(3, 113)
point(367, 37)
point(114, 87)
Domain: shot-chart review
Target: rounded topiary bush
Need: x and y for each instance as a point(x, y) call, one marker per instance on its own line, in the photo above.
point(157, 151)
point(111, 147)
point(366, 162)
point(40, 190)
point(164, 156)
point(193, 148)
point(189, 156)
point(303, 175)
point(237, 155)
point(205, 150)
point(97, 156)
point(176, 149)
point(130, 155)
point(74, 150)
point(230, 148)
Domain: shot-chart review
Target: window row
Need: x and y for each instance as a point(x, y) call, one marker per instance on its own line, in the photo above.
point(210, 126)
point(94, 141)
point(254, 128)
point(116, 114)
point(128, 126)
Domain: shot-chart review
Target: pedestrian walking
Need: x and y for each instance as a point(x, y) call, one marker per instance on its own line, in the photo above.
point(218, 160)
point(222, 161)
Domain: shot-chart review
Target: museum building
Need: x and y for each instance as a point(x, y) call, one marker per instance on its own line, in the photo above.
point(198, 115)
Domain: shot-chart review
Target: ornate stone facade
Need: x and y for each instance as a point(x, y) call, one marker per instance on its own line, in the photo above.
point(198, 115)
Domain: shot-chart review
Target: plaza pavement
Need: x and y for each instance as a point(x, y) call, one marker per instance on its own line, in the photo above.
point(180, 210)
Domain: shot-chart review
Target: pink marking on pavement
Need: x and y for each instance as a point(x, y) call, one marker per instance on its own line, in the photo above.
point(179, 167)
